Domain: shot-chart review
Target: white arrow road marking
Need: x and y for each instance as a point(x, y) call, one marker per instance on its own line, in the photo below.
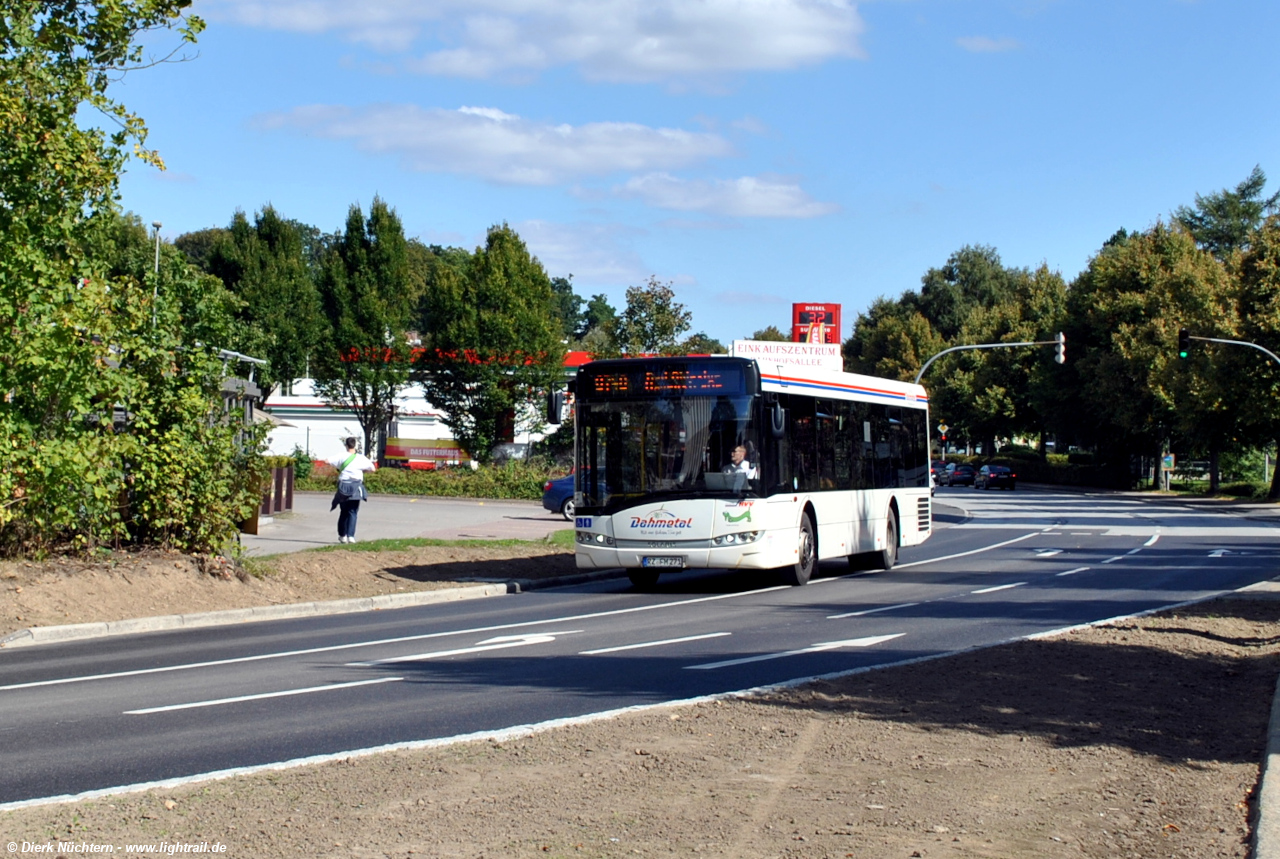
point(872, 610)
point(259, 697)
point(653, 643)
point(1047, 553)
point(998, 588)
point(1218, 553)
point(816, 648)
point(1152, 541)
point(501, 642)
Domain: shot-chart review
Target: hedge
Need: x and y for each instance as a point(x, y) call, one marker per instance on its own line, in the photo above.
point(514, 480)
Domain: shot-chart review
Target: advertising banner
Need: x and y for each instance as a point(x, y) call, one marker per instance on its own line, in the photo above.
point(810, 356)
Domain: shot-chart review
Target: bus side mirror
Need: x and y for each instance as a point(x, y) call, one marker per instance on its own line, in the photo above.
point(778, 421)
point(555, 405)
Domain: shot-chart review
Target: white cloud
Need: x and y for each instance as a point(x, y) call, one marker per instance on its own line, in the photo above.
point(619, 40)
point(748, 196)
point(987, 45)
point(502, 147)
point(595, 254)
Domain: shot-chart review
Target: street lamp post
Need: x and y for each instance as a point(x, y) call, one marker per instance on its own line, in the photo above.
point(155, 284)
point(157, 226)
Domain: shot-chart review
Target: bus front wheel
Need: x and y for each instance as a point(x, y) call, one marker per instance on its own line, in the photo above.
point(888, 556)
point(642, 579)
point(806, 555)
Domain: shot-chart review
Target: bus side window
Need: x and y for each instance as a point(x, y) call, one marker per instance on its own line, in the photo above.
point(804, 441)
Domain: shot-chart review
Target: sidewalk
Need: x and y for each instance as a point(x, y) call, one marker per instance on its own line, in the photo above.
point(312, 524)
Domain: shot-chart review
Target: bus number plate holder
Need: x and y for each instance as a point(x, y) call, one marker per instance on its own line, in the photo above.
point(675, 561)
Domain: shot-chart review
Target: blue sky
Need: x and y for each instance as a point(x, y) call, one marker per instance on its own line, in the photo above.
point(752, 152)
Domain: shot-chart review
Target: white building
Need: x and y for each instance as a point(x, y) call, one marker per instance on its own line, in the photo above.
point(311, 424)
point(318, 428)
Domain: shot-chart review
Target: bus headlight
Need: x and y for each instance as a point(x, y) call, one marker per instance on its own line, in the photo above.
point(740, 537)
point(594, 539)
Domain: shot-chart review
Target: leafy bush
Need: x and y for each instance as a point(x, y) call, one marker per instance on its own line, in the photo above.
point(1019, 451)
point(1244, 489)
point(301, 463)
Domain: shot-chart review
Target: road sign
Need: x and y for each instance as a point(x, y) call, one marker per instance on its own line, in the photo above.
point(942, 428)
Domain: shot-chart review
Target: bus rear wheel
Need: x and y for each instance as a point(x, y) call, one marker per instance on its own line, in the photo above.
point(806, 555)
point(888, 556)
point(642, 579)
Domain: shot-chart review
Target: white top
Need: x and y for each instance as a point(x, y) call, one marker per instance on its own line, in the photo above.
point(357, 468)
point(743, 467)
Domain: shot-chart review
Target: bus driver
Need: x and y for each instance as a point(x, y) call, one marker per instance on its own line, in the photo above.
point(739, 464)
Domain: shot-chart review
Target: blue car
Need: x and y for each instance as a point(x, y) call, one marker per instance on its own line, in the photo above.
point(557, 496)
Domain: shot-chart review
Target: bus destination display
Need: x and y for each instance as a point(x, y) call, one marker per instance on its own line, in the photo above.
point(657, 381)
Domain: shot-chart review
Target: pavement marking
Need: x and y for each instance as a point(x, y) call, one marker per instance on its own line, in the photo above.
point(816, 648)
point(1073, 572)
point(997, 588)
point(213, 663)
point(1047, 553)
point(872, 610)
point(652, 643)
point(261, 696)
point(526, 730)
point(501, 642)
point(970, 552)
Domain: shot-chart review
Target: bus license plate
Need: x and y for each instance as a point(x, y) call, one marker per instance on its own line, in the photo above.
point(668, 561)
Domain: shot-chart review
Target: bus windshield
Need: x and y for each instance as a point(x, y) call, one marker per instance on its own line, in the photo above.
point(678, 445)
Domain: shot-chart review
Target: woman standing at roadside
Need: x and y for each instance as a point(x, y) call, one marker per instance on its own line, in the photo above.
point(351, 468)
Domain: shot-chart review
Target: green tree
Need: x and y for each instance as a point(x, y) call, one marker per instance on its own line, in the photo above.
point(566, 306)
point(973, 299)
point(98, 363)
point(652, 321)
point(770, 333)
point(264, 264)
point(1222, 222)
point(1258, 312)
point(890, 340)
point(1125, 389)
point(198, 245)
point(595, 330)
point(700, 344)
point(492, 346)
point(367, 298)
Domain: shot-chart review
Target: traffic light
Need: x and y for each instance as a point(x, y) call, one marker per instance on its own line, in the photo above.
point(1184, 342)
point(1060, 348)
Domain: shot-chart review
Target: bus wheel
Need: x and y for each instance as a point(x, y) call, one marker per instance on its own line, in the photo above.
point(888, 556)
point(806, 556)
point(642, 579)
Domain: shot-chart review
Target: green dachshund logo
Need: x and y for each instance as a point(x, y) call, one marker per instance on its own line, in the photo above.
point(744, 515)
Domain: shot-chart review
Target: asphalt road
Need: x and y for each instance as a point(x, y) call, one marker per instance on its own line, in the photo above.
point(86, 716)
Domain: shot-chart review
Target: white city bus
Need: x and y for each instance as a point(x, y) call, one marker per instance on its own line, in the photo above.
point(838, 467)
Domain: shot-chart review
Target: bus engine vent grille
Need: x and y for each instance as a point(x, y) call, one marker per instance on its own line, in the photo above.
point(922, 513)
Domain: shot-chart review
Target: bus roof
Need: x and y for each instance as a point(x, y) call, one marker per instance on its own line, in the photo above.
point(854, 386)
point(777, 378)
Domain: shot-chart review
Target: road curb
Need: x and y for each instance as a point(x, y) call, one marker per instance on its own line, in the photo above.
point(74, 631)
point(198, 620)
point(1266, 828)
